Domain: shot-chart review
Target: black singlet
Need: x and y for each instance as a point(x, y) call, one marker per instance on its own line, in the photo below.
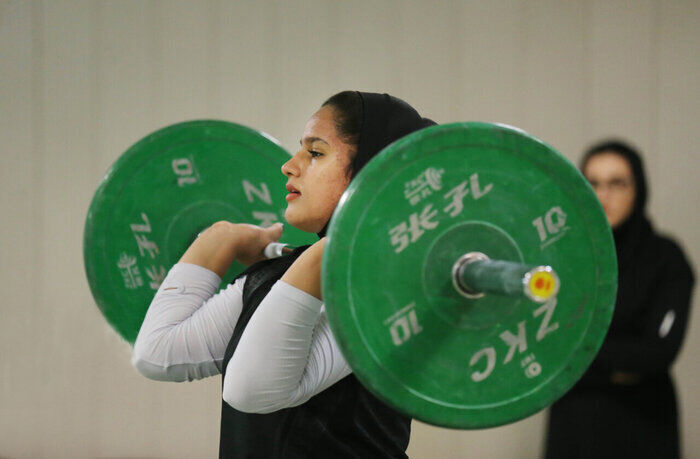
point(345, 420)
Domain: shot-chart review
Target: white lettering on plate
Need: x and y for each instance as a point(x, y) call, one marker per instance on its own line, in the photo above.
point(129, 271)
point(403, 324)
point(406, 233)
point(422, 186)
point(263, 192)
point(516, 341)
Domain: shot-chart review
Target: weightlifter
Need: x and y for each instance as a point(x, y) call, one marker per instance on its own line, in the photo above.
point(287, 390)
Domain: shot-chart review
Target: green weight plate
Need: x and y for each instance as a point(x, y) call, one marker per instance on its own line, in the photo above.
point(161, 193)
point(409, 336)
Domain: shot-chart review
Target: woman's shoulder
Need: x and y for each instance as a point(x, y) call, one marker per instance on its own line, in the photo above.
point(670, 254)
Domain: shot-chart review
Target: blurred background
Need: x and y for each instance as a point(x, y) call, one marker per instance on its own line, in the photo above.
point(81, 81)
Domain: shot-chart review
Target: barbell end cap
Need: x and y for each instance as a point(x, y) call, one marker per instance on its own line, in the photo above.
point(274, 250)
point(541, 284)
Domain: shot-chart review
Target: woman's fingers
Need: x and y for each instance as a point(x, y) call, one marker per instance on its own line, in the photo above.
point(253, 240)
point(216, 247)
point(274, 232)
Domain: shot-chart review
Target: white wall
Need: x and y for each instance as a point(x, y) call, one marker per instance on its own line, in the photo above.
point(80, 81)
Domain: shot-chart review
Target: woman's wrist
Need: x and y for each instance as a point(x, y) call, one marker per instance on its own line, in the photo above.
point(215, 249)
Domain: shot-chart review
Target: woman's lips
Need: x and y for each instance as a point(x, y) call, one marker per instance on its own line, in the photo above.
point(293, 193)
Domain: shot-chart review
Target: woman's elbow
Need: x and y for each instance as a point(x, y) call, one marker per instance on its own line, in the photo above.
point(149, 370)
point(157, 359)
point(242, 403)
point(239, 394)
point(246, 396)
point(143, 360)
point(174, 373)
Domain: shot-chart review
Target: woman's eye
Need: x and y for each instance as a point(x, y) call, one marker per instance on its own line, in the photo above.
point(314, 154)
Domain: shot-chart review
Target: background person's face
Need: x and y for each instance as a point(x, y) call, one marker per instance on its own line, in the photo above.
point(318, 171)
point(611, 177)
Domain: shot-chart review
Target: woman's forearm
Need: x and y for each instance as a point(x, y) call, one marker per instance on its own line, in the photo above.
point(286, 355)
point(188, 325)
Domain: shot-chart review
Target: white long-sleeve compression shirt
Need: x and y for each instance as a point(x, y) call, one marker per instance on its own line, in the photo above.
point(286, 355)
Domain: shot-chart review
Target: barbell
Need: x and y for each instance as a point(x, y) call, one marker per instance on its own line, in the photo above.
point(469, 272)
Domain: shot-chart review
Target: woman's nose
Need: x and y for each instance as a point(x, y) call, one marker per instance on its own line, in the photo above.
point(290, 167)
point(602, 193)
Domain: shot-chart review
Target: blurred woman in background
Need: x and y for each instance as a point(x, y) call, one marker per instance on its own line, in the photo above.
point(625, 404)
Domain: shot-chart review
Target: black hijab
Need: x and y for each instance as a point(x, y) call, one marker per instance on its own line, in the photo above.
point(636, 228)
point(384, 119)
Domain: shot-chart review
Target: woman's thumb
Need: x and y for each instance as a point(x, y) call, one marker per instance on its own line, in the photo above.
point(275, 231)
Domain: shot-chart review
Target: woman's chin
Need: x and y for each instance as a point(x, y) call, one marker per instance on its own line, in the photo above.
point(301, 223)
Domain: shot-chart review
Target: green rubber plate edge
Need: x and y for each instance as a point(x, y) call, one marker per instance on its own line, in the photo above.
point(386, 386)
point(129, 162)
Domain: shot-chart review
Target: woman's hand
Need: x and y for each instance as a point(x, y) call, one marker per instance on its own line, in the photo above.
point(223, 242)
point(305, 272)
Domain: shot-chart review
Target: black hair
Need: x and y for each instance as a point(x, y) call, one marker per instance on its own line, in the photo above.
point(348, 119)
point(347, 106)
point(633, 158)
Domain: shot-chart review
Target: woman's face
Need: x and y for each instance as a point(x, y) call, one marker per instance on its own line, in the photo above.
point(317, 174)
point(611, 177)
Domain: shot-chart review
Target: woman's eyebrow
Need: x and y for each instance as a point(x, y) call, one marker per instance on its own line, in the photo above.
point(311, 140)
